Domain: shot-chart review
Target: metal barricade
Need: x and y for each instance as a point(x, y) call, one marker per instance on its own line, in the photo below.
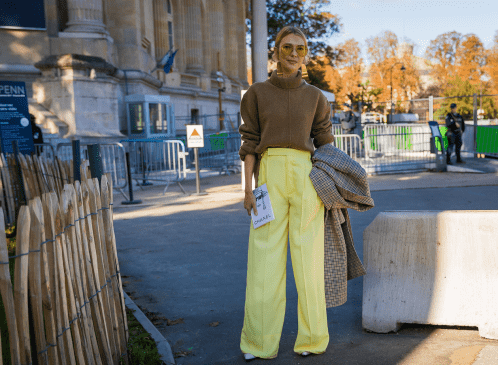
point(396, 140)
point(397, 147)
point(221, 152)
point(157, 160)
point(44, 150)
point(350, 144)
point(113, 159)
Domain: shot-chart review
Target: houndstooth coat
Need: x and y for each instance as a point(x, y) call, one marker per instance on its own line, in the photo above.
point(341, 183)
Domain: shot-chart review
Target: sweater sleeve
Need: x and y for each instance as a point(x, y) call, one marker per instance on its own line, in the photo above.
point(250, 130)
point(322, 126)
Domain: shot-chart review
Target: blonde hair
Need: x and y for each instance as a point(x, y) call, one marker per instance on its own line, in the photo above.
point(285, 31)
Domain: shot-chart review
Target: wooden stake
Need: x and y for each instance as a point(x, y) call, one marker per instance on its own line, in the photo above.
point(75, 239)
point(48, 309)
point(112, 262)
point(21, 283)
point(103, 272)
point(49, 221)
point(7, 295)
point(34, 278)
point(92, 273)
point(8, 189)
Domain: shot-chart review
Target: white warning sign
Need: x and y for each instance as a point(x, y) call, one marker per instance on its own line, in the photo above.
point(195, 135)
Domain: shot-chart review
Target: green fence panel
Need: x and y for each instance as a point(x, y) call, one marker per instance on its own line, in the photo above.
point(442, 130)
point(487, 139)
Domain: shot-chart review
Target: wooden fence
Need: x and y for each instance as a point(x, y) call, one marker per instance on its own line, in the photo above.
point(65, 304)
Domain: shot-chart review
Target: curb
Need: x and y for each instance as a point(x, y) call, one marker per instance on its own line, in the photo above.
point(163, 346)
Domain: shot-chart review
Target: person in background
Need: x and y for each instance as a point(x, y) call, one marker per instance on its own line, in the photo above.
point(37, 134)
point(456, 126)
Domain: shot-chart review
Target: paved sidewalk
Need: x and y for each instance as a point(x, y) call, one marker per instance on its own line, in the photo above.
point(184, 258)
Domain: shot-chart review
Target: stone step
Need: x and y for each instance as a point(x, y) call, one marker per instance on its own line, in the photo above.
point(47, 120)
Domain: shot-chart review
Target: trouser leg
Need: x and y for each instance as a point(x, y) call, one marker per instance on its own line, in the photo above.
point(266, 268)
point(458, 146)
point(451, 144)
point(306, 237)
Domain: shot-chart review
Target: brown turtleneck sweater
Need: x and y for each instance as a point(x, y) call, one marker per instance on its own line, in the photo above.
point(285, 113)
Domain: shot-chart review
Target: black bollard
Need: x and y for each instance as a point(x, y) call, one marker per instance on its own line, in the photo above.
point(76, 160)
point(130, 184)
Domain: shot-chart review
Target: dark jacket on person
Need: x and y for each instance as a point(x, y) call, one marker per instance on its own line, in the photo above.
point(285, 113)
point(37, 133)
point(341, 183)
point(455, 123)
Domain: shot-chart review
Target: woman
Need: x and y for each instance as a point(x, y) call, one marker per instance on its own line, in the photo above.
point(283, 117)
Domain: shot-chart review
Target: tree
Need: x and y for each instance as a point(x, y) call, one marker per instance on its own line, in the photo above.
point(464, 89)
point(351, 65)
point(442, 54)
point(387, 57)
point(471, 59)
point(492, 65)
point(316, 25)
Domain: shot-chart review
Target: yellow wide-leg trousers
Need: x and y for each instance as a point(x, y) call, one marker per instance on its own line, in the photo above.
point(299, 216)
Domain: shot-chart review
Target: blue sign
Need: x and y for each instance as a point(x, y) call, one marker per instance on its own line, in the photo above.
point(15, 123)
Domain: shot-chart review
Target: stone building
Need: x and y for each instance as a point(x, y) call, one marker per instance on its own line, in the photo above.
point(80, 59)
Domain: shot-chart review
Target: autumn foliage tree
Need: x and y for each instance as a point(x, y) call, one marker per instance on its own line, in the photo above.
point(492, 65)
point(351, 66)
point(460, 65)
point(387, 58)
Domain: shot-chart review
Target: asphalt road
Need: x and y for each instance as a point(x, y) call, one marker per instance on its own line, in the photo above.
point(189, 261)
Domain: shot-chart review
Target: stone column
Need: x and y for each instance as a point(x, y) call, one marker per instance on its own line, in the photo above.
point(241, 41)
point(231, 49)
point(85, 16)
point(193, 37)
point(160, 29)
point(259, 40)
point(179, 34)
point(217, 36)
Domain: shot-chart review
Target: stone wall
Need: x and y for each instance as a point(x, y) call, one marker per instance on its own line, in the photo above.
point(125, 34)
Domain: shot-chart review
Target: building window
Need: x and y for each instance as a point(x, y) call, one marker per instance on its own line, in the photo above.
point(170, 34)
point(169, 7)
point(27, 14)
point(136, 118)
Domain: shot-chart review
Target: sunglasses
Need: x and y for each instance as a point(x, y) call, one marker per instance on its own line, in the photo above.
point(301, 50)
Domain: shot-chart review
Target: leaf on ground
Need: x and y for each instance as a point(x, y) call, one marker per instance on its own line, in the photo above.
point(182, 353)
point(214, 324)
point(176, 321)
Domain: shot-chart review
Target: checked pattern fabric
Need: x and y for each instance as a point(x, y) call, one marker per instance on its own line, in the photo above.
point(341, 183)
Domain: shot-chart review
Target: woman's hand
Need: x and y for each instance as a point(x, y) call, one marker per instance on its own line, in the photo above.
point(250, 202)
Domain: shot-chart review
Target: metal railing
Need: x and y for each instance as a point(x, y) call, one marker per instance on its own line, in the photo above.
point(44, 150)
point(220, 153)
point(395, 140)
point(113, 159)
point(390, 148)
point(157, 160)
point(350, 144)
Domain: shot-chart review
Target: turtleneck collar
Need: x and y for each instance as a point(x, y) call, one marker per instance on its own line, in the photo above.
point(286, 82)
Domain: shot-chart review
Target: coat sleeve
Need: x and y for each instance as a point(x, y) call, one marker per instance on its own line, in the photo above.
point(450, 122)
point(250, 130)
point(322, 126)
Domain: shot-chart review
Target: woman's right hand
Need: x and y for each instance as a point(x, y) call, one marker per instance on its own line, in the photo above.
point(250, 202)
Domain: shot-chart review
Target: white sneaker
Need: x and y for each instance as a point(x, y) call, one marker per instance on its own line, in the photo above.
point(305, 353)
point(249, 356)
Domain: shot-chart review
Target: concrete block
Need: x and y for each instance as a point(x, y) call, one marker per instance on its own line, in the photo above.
point(431, 267)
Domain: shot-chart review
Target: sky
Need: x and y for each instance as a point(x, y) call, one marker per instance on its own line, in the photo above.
point(418, 20)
